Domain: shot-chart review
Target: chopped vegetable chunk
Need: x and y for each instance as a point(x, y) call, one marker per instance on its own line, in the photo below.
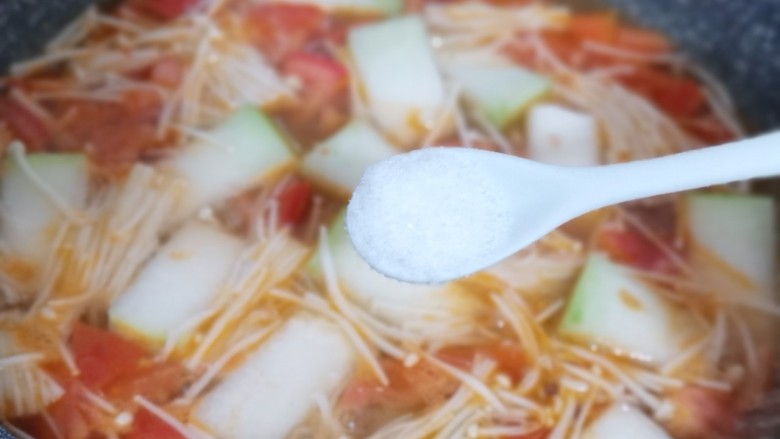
point(174, 260)
point(182, 279)
point(339, 161)
point(623, 420)
point(233, 157)
point(735, 235)
point(501, 93)
point(38, 191)
point(562, 136)
point(398, 71)
point(274, 389)
point(612, 308)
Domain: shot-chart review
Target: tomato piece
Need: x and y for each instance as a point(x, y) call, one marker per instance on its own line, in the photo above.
point(627, 246)
point(421, 385)
point(509, 357)
point(459, 356)
point(567, 45)
point(708, 128)
point(117, 369)
point(676, 95)
point(324, 99)
point(642, 40)
point(279, 29)
point(25, 125)
point(681, 97)
point(72, 414)
point(146, 426)
point(157, 382)
point(522, 54)
point(702, 413)
point(563, 45)
point(294, 201)
point(163, 9)
point(114, 134)
point(167, 71)
point(102, 356)
point(322, 77)
point(598, 26)
point(368, 404)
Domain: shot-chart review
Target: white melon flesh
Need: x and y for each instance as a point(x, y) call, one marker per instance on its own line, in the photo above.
point(622, 421)
point(734, 235)
point(399, 302)
point(181, 280)
point(396, 66)
point(500, 93)
point(471, 58)
point(31, 217)
point(274, 389)
point(561, 136)
point(355, 7)
point(612, 308)
point(234, 156)
point(338, 163)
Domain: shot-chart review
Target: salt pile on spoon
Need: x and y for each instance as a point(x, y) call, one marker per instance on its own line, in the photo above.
point(425, 215)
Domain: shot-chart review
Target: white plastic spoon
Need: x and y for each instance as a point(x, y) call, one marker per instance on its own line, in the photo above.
point(437, 214)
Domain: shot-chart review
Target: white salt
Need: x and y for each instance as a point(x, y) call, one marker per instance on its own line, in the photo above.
point(430, 215)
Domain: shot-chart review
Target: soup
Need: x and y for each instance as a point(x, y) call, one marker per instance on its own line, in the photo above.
point(174, 262)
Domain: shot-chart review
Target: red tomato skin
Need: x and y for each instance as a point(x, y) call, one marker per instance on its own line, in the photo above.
point(322, 77)
point(323, 99)
point(408, 387)
point(157, 382)
point(114, 134)
point(702, 413)
point(168, 71)
point(425, 381)
point(163, 9)
point(708, 129)
point(120, 368)
point(294, 201)
point(678, 96)
point(627, 246)
point(599, 26)
point(279, 29)
point(71, 414)
point(102, 356)
point(26, 126)
point(115, 369)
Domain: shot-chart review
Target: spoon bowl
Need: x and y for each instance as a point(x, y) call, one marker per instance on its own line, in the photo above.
point(436, 214)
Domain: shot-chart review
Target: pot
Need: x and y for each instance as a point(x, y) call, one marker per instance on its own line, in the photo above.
point(737, 40)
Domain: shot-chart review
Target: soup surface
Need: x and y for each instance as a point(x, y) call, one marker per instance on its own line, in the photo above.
point(174, 262)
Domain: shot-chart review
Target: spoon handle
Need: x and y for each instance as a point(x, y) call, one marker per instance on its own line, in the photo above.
point(739, 160)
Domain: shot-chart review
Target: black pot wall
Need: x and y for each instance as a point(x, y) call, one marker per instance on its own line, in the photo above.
point(26, 25)
point(737, 40)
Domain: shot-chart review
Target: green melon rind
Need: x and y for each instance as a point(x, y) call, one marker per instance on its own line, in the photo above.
point(648, 328)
